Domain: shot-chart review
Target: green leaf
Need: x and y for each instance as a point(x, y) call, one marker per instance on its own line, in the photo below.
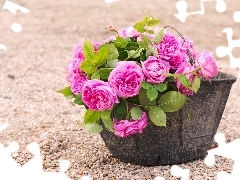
point(146, 39)
point(106, 119)
point(157, 116)
point(112, 51)
point(95, 75)
point(88, 50)
point(154, 51)
point(144, 100)
point(159, 36)
point(160, 87)
point(106, 115)
point(112, 63)
point(150, 31)
point(88, 67)
point(120, 110)
point(134, 54)
point(93, 127)
point(136, 112)
point(146, 85)
point(142, 44)
point(120, 42)
point(148, 52)
point(142, 56)
point(104, 73)
point(91, 116)
point(78, 100)
point(184, 81)
point(101, 56)
point(66, 92)
point(140, 27)
point(132, 46)
point(153, 22)
point(152, 93)
point(172, 101)
point(108, 124)
point(196, 84)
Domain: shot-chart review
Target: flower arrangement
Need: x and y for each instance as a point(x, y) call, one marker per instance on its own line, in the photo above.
point(135, 77)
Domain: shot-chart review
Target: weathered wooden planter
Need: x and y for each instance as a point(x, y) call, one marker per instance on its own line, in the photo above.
point(183, 139)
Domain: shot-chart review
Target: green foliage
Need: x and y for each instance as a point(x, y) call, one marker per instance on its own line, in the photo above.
point(106, 119)
point(172, 101)
point(146, 39)
point(143, 26)
point(88, 67)
point(104, 73)
point(112, 63)
point(91, 116)
point(142, 44)
point(136, 112)
point(108, 124)
point(152, 93)
point(95, 75)
point(93, 128)
point(146, 85)
point(144, 100)
point(159, 36)
point(101, 56)
point(112, 51)
point(160, 87)
point(153, 51)
point(66, 92)
point(120, 110)
point(106, 115)
point(184, 81)
point(196, 84)
point(157, 116)
point(88, 50)
point(120, 42)
point(78, 100)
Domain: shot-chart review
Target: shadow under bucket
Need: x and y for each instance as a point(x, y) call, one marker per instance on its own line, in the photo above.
point(184, 138)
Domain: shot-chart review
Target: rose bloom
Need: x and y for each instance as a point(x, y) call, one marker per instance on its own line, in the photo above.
point(168, 48)
point(154, 69)
point(207, 64)
point(186, 45)
point(185, 68)
point(126, 79)
point(73, 68)
point(125, 128)
point(77, 83)
point(177, 61)
point(78, 49)
point(98, 95)
point(128, 32)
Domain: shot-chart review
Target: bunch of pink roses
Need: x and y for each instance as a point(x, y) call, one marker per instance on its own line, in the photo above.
point(136, 76)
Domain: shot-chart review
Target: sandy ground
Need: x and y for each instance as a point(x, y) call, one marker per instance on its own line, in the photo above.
point(34, 67)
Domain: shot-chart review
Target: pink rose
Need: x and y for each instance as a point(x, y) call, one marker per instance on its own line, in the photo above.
point(183, 69)
point(128, 32)
point(78, 50)
point(186, 45)
point(207, 64)
point(98, 95)
point(154, 69)
point(176, 61)
point(169, 47)
point(77, 83)
point(125, 128)
point(126, 79)
point(73, 68)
